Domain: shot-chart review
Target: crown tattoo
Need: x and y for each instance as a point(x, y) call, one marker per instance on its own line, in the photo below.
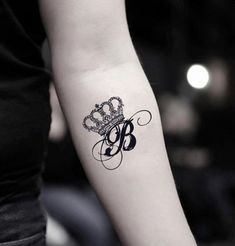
point(105, 116)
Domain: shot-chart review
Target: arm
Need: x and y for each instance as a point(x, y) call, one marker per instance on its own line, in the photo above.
point(94, 60)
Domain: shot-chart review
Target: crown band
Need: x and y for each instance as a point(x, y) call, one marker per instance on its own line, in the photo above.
point(111, 124)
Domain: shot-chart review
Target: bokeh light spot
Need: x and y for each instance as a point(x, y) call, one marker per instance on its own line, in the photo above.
point(198, 76)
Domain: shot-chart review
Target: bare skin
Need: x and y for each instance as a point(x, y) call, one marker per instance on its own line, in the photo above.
point(94, 60)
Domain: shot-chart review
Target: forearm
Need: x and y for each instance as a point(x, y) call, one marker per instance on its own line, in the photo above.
point(127, 162)
point(140, 194)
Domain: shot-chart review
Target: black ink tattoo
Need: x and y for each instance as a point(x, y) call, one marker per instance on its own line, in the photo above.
point(107, 120)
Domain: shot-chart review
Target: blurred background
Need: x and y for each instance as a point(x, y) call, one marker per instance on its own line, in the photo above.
point(187, 50)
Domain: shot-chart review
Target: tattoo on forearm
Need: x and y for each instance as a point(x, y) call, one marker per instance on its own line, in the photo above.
point(117, 133)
